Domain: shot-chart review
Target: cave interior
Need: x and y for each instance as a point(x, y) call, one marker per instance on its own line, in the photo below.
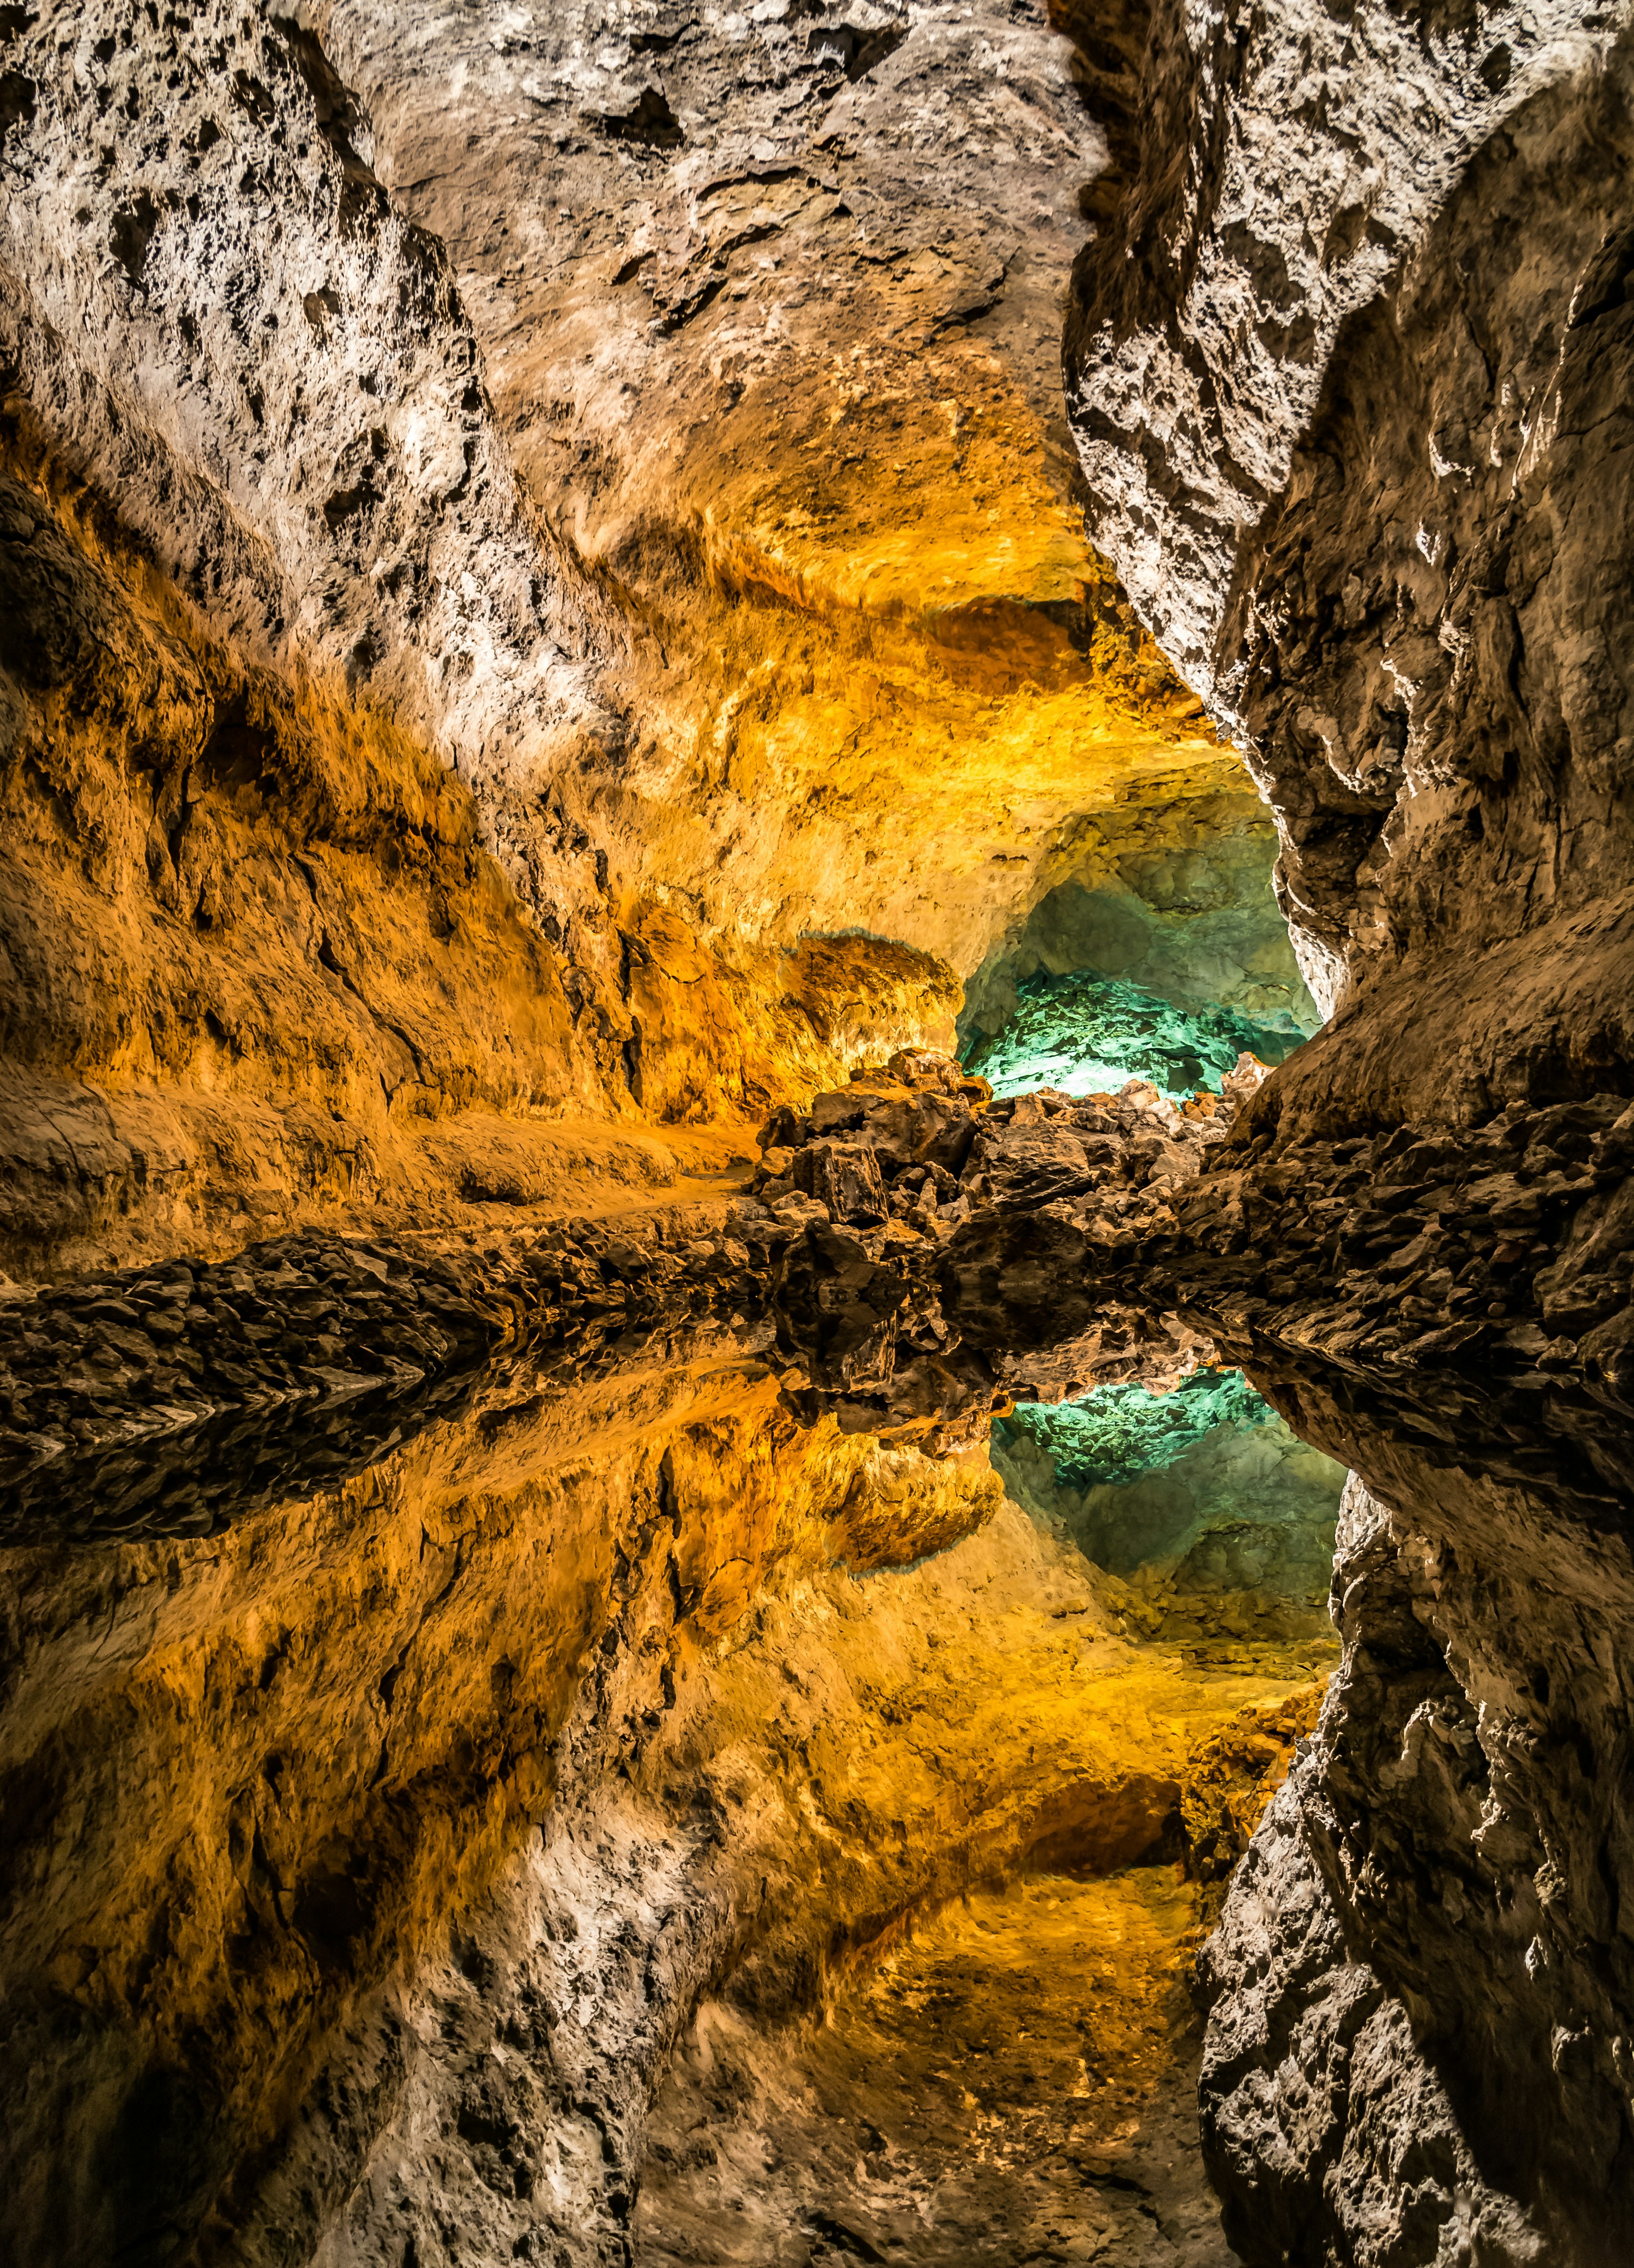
point(817, 1106)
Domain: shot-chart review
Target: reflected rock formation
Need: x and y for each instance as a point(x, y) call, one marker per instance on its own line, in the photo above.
point(754, 1014)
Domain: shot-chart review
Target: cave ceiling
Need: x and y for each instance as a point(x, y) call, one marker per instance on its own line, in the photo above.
point(816, 1123)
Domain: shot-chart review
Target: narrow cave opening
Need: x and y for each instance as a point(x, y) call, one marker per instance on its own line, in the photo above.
point(1161, 955)
point(1045, 2008)
point(1202, 1500)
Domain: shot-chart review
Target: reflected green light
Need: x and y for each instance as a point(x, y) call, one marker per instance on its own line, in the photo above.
point(1118, 1432)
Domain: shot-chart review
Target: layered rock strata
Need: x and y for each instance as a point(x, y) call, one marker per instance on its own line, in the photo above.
point(172, 1403)
point(98, 1363)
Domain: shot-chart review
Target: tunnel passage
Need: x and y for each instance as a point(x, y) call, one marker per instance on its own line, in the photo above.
point(1161, 955)
point(1202, 1500)
point(406, 1726)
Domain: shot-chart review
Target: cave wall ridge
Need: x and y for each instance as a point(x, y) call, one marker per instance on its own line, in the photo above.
point(1288, 166)
point(1415, 2040)
point(1336, 385)
point(240, 337)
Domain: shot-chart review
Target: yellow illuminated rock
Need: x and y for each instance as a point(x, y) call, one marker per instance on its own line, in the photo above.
point(282, 1797)
point(1015, 2072)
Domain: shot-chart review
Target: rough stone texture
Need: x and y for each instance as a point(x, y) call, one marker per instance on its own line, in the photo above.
point(1282, 170)
point(1086, 1035)
point(1444, 1308)
point(366, 1858)
point(1338, 2083)
point(173, 1402)
point(1014, 2081)
point(941, 1270)
point(785, 379)
point(1349, 370)
point(260, 969)
point(110, 1383)
point(1336, 407)
point(655, 414)
point(431, 403)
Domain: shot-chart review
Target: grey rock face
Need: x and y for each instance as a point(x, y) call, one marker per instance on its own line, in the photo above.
point(1394, 2061)
point(1333, 379)
point(1283, 169)
point(1328, 2129)
point(213, 302)
point(1349, 371)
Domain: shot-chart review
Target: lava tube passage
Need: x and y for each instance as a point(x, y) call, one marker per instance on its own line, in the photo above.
point(816, 1135)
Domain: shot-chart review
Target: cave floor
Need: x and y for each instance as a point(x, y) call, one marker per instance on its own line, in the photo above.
point(1013, 2081)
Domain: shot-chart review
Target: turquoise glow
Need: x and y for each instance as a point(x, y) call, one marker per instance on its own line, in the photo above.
point(1118, 1432)
point(1205, 1489)
point(1087, 1034)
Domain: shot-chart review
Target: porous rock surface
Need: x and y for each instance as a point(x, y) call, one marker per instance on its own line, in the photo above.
point(1349, 372)
point(456, 1783)
point(1420, 273)
point(543, 574)
point(473, 655)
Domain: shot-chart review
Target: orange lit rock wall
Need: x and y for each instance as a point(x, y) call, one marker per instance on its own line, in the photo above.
point(697, 492)
point(453, 1787)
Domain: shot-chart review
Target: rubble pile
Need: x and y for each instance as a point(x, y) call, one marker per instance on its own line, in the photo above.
point(924, 1256)
point(960, 1253)
point(880, 1236)
point(1504, 1247)
point(957, 1251)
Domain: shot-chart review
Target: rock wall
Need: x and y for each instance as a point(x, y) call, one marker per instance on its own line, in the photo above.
point(262, 970)
point(1419, 1986)
point(543, 576)
point(783, 373)
point(423, 398)
point(1023, 2058)
point(1348, 369)
point(366, 1856)
point(1334, 381)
